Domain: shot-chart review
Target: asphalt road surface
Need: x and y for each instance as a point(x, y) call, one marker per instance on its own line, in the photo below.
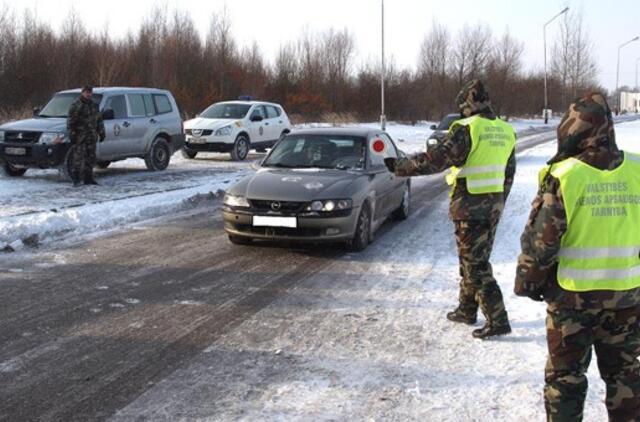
point(85, 330)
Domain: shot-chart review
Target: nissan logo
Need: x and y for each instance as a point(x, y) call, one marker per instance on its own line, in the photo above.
point(197, 132)
point(276, 206)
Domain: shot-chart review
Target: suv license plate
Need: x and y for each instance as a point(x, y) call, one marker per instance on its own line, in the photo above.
point(15, 151)
point(263, 221)
point(197, 140)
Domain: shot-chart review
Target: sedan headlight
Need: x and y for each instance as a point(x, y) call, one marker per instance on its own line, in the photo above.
point(52, 138)
point(330, 205)
point(224, 131)
point(236, 201)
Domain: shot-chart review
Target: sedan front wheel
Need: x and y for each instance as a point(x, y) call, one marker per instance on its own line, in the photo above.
point(362, 236)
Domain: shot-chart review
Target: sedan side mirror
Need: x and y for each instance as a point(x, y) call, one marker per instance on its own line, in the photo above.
point(256, 164)
point(433, 127)
point(36, 111)
point(108, 114)
point(256, 118)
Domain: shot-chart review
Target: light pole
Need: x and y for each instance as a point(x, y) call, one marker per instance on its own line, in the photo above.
point(544, 34)
point(637, 61)
point(383, 118)
point(618, 71)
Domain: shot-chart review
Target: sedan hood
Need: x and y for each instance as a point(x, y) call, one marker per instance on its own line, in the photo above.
point(202, 123)
point(37, 125)
point(301, 185)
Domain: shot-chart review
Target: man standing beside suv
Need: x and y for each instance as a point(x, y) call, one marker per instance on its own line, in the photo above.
point(85, 128)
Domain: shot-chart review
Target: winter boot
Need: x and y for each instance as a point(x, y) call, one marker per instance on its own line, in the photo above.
point(458, 315)
point(490, 330)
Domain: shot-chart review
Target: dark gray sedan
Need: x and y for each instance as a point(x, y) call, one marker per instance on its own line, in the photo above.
point(319, 185)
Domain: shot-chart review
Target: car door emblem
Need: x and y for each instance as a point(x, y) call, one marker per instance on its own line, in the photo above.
point(276, 206)
point(116, 130)
point(261, 130)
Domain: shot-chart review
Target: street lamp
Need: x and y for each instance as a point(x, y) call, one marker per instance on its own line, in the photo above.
point(618, 70)
point(383, 118)
point(544, 31)
point(637, 61)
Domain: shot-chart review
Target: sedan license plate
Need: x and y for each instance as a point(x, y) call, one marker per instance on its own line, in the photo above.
point(197, 140)
point(15, 151)
point(263, 221)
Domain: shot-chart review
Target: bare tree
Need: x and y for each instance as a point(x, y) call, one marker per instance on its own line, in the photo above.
point(573, 63)
point(338, 52)
point(471, 53)
point(503, 70)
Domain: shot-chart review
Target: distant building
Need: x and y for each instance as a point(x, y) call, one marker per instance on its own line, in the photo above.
point(630, 102)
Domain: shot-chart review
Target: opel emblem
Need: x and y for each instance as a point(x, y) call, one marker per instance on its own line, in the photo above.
point(276, 206)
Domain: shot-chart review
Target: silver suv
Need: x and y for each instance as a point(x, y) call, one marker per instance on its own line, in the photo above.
point(139, 122)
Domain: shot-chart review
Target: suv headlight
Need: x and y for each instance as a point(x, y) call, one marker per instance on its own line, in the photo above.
point(52, 138)
point(224, 131)
point(236, 201)
point(1, 135)
point(330, 205)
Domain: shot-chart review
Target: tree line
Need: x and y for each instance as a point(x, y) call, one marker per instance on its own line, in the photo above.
point(315, 77)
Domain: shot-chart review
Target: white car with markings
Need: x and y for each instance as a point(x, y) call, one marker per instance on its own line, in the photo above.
point(236, 127)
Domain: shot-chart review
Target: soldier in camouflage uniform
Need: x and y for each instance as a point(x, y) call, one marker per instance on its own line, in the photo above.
point(606, 319)
point(85, 128)
point(475, 216)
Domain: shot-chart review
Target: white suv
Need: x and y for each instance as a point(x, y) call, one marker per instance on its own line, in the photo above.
point(235, 127)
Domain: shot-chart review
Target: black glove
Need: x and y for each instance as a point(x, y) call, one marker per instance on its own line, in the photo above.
point(390, 163)
point(537, 296)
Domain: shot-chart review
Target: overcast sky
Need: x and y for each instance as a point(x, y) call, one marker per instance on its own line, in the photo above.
point(273, 22)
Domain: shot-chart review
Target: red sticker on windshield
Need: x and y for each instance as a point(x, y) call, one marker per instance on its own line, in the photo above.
point(378, 146)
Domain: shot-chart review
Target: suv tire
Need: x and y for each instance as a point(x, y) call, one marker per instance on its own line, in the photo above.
point(159, 155)
point(240, 148)
point(12, 171)
point(189, 154)
point(65, 168)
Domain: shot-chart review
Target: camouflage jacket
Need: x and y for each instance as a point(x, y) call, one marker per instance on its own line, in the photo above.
point(537, 264)
point(453, 151)
point(84, 122)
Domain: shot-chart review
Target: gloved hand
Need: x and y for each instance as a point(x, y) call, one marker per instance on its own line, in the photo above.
point(537, 296)
point(390, 163)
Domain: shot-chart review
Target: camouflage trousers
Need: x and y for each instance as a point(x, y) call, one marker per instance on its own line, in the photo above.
point(478, 287)
point(84, 160)
point(571, 335)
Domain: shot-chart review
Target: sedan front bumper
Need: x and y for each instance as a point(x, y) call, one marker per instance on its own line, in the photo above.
point(309, 229)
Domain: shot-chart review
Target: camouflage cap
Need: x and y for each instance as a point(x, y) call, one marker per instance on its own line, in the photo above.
point(473, 98)
point(587, 123)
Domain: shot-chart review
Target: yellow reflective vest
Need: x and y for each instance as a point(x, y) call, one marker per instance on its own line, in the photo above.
point(601, 248)
point(492, 143)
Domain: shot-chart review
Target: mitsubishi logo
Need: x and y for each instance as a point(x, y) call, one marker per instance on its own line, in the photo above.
point(20, 136)
point(276, 206)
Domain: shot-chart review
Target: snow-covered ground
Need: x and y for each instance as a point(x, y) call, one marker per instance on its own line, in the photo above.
point(368, 340)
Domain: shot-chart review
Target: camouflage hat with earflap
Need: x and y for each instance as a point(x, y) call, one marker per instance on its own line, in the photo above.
point(473, 98)
point(587, 123)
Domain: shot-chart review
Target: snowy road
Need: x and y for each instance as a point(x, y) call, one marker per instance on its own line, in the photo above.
point(168, 321)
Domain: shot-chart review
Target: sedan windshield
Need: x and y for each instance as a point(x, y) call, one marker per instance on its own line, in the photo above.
point(226, 111)
point(59, 105)
point(445, 123)
point(318, 151)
